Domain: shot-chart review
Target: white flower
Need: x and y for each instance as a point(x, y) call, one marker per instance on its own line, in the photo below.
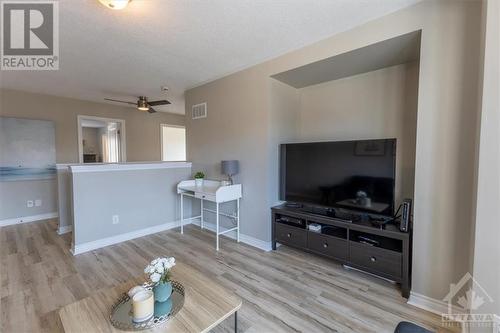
point(159, 268)
point(155, 277)
point(169, 263)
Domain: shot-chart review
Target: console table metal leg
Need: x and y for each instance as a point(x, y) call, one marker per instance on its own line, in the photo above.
point(238, 220)
point(217, 226)
point(236, 322)
point(182, 213)
point(201, 221)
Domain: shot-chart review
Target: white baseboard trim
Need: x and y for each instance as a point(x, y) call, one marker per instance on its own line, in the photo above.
point(249, 240)
point(64, 229)
point(27, 219)
point(97, 244)
point(90, 246)
point(430, 304)
point(255, 242)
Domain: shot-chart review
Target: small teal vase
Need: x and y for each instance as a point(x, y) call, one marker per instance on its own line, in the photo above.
point(162, 291)
point(163, 308)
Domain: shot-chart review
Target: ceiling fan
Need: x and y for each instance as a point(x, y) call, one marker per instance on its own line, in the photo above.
point(142, 103)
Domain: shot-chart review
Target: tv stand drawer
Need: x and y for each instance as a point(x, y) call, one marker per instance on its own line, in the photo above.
point(329, 246)
point(290, 235)
point(375, 260)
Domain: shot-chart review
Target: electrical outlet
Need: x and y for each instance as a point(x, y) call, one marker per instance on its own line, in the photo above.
point(29, 203)
point(38, 202)
point(115, 219)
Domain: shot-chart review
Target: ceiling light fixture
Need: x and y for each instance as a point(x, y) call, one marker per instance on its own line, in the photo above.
point(115, 4)
point(142, 104)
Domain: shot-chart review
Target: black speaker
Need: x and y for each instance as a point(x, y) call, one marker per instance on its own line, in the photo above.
point(405, 216)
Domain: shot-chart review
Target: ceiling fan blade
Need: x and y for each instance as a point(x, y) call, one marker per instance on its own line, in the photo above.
point(151, 110)
point(116, 100)
point(162, 102)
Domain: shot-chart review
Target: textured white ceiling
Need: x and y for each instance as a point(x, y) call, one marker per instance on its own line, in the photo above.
point(182, 43)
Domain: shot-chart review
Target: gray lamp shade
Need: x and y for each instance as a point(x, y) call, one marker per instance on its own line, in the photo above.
point(231, 167)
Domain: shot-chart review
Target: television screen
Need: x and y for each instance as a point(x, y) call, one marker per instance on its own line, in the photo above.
point(355, 175)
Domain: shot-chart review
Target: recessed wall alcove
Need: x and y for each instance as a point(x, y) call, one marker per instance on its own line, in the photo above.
point(366, 93)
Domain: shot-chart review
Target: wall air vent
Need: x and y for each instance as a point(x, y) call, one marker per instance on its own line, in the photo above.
point(199, 111)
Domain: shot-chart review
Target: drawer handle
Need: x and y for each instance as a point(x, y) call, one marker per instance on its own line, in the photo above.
point(202, 196)
point(325, 245)
point(289, 235)
point(373, 259)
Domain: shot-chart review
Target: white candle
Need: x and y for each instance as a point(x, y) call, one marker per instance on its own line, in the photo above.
point(135, 290)
point(143, 305)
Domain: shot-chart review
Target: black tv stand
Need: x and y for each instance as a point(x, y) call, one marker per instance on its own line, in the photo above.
point(357, 243)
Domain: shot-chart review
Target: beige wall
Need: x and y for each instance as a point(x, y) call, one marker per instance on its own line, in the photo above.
point(487, 229)
point(283, 126)
point(140, 199)
point(142, 129)
point(238, 126)
point(142, 135)
point(375, 105)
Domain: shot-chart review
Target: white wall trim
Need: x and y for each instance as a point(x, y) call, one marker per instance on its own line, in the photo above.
point(94, 245)
point(127, 166)
point(255, 242)
point(249, 240)
point(97, 244)
point(27, 219)
point(496, 324)
point(430, 304)
point(64, 229)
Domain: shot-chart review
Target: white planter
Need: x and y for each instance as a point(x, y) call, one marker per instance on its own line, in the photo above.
point(198, 181)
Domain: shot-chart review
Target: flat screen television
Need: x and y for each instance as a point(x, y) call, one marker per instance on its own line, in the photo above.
point(354, 175)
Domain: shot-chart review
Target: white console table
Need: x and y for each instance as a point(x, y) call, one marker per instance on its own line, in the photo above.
point(214, 192)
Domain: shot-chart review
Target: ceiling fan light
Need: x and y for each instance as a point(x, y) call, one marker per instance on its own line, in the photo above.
point(142, 104)
point(115, 4)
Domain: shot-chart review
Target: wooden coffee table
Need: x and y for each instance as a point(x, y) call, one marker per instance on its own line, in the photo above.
point(206, 305)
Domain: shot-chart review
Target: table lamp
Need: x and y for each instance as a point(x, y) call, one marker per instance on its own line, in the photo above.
point(230, 168)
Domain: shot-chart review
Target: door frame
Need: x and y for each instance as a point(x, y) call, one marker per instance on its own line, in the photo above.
point(161, 137)
point(123, 141)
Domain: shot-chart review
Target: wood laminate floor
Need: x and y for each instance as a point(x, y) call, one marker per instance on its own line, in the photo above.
point(282, 291)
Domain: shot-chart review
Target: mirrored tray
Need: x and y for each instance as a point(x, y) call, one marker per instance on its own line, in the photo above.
point(121, 312)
